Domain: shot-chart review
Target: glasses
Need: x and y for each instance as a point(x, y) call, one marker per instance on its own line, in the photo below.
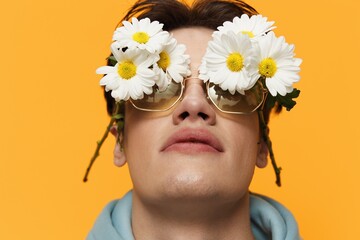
point(226, 102)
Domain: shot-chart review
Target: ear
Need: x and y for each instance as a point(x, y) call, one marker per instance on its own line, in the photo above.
point(119, 155)
point(261, 160)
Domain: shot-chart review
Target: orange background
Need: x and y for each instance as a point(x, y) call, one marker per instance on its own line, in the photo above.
point(52, 113)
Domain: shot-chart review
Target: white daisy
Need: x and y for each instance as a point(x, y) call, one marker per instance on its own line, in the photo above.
point(131, 77)
point(173, 63)
point(276, 62)
point(254, 26)
point(141, 34)
point(203, 74)
point(228, 63)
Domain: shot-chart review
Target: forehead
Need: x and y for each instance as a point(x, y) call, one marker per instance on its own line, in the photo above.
point(196, 40)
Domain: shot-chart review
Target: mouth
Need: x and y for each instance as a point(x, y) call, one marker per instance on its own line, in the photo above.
point(192, 141)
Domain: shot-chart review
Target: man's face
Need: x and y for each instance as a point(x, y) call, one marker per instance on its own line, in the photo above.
point(192, 151)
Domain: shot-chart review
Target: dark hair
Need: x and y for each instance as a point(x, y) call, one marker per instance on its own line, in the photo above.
point(178, 14)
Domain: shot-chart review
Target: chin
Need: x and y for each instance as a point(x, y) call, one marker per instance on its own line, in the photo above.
point(191, 187)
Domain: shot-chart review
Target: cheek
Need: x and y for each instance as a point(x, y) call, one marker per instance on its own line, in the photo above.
point(141, 143)
point(137, 145)
point(138, 139)
point(139, 130)
point(244, 131)
point(242, 144)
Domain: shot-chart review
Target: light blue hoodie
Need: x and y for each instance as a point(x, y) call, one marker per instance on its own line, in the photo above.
point(269, 220)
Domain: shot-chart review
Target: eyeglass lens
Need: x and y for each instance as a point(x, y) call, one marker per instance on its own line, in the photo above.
point(223, 100)
point(237, 102)
point(160, 100)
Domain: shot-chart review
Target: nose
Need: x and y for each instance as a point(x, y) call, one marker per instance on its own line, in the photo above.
point(194, 105)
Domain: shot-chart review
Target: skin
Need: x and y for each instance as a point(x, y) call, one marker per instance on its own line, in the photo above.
point(191, 191)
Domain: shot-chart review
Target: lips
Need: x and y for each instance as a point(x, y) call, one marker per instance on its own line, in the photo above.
point(192, 140)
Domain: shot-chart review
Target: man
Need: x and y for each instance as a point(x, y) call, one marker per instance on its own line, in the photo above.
point(193, 137)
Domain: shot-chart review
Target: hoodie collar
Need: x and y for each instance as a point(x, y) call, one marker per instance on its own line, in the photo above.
point(269, 220)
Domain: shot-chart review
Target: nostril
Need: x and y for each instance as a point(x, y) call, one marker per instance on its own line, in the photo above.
point(203, 115)
point(184, 115)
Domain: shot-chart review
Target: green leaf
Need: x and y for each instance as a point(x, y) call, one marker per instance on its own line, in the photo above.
point(287, 100)
point(118, 116)
point(112, 60)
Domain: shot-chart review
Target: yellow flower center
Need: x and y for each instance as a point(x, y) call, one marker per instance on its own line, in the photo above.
point(267, 67)
point(250, 34)
point(127, 70)
point(235, 62)
point(164, 61)
point(141, 37)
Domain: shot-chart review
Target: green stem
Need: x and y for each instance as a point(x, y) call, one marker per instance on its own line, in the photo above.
point(269, 145)
point(100, 143)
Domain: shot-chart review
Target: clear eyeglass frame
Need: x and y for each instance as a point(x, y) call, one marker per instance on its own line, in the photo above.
point(256, 95)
